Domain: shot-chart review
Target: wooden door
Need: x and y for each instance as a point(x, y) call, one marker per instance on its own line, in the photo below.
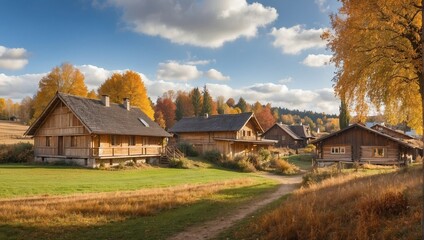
point(60, 147)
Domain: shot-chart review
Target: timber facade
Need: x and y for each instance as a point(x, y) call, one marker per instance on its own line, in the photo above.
point(230, 134)
point(91, 132)
point(289, 136)
point(361, 144)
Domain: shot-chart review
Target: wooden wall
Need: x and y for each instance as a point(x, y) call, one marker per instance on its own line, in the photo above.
point(283, 138)
point(248, 132)
point(359, 142)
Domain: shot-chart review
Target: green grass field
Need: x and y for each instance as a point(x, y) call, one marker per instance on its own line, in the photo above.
point(32, 180)
point(28, 180)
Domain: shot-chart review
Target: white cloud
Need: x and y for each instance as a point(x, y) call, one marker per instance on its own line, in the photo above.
point(199, 62)
point(13, 58)
point(319, 60)
point(285, 80)
point(206, 23)
point(320, 100)
point(215, 74)
point(323, 5)
point(173, 70)
point(296, 39)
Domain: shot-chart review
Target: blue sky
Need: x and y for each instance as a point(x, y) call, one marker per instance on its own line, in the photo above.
point(267, 50)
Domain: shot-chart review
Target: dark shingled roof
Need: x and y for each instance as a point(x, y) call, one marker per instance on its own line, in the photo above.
point(99, 119)
point(288, 130)
point(400, 141)
point(214, 123)
point(301, 131)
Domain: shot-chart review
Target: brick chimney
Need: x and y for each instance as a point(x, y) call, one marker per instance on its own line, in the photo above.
point(127, 104)
point(105, 100)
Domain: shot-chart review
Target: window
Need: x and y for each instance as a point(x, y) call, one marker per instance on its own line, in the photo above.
point(378, 152)
point(283, 138)
point(48, 141)
point(131, 141)
point(114, 140)
point(144, 122)
point(338, 150)
point(244, 133)
point(249, 133)
point(73, 141)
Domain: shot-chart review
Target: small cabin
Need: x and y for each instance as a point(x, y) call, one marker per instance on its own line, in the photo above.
point(290, 136)
point(358, 143)
point(90, 132)
point(230, 134)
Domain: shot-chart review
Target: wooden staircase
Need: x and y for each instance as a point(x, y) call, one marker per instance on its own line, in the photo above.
point(170, 152)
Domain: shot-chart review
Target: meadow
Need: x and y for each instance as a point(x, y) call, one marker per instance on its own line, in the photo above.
point(12, 132)
point(49, 202)
point(369, 204)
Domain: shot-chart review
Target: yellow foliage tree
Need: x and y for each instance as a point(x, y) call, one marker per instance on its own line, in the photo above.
point(378, 54)
point(127, 85)
point(66, 79)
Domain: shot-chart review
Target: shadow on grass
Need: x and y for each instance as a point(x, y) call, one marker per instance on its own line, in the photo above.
point(161, 225)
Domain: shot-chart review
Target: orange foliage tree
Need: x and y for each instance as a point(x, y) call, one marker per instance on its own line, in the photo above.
point(65, 79)
point(127, 85)
point(165, 109)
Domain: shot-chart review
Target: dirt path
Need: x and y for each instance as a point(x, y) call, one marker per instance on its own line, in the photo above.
point(211, 229)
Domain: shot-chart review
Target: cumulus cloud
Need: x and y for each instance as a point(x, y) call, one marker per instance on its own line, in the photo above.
point(296, 39)
point(173, 70)
point(216, 75)
point(199, 62)
point(13, 58)
point(323, 5)
point(206, 23)
point(320, 100)
point(319, 60)
point(286, 80)
point(20, 86)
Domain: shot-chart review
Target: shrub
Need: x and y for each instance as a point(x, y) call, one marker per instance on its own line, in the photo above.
point(188, 149)
point(284, 167)
point(17, 153)
point(318, 176)
point(310, 148)
point(245, 166)
point(177, 163)
point(264, 154)
point(213, 156)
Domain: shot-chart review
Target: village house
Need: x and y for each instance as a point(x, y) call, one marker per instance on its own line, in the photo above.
point(89, 132)
point(290, 136)
point(358, 143)
point(230, 134)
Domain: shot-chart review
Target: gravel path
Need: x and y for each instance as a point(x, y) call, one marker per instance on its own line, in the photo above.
point(211, 229)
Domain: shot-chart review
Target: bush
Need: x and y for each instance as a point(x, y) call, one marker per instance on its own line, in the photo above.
point(177, 163)
point(318, 176)
point(245, 166)
point(188, 149)
point(213, 156)
point(16, 153)
point(284, 167)
point(310, 148)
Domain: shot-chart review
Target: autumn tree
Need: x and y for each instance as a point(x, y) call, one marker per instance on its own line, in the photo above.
point(344, 117)
point(165, 109)
point(159, 119)
point(265, 117)
point(196, 101)
point(2, 108)
point(127, 85)
point(66, 79)
point(207, 102)
point(231, 102)
point(184, 107)
point(92, 94)
point(287, 119)
point(221, 105)
point(242, 104)
point(377, 49)
point(26, 110)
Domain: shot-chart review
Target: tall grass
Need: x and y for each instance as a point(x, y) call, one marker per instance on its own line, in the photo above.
point(384, 206)
point(100, 208)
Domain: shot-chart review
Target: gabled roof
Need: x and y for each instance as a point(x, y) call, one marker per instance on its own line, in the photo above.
point(215, 123)
point(301, 131)
point(99, 119)
point(297, 132)
point(404, 143)
point(390, 131)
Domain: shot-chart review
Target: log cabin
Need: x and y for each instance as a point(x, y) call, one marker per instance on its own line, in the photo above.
point(91, 132)
point(230, 134)
point(358, 143)
point(290, 136)
point(391, 132)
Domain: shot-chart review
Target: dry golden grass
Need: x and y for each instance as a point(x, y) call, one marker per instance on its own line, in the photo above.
point(100, 208)
point(12, 132)
point(384, 206)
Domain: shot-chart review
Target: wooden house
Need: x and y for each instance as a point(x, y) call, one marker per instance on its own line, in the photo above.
point(290, 136)
point(230, 134)
point(391, 132)
point(358, 143)
point(89, 132)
